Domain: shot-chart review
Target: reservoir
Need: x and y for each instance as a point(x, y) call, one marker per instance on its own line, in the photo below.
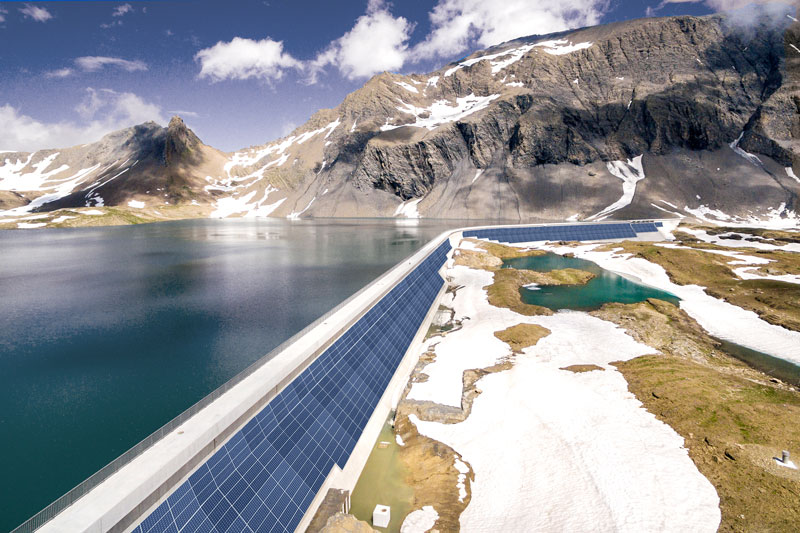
point(108, 333)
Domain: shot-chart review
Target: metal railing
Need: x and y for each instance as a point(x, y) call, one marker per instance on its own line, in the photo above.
point(49, 512)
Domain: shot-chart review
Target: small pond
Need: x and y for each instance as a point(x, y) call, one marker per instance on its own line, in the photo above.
point(605, 287)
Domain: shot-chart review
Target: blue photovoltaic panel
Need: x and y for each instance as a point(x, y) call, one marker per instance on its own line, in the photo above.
point(266, 475)
point(581, 232)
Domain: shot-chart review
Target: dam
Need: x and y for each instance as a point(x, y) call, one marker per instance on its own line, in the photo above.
point(262, 452)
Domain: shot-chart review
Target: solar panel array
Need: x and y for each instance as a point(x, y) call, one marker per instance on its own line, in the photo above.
point(267, 474)
point(581, 232)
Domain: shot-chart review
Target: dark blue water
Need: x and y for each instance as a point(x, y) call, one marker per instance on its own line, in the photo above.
point(605, 287)
point(108, 333)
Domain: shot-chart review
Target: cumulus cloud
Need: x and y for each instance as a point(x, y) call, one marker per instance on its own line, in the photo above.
point(39, 14)
point(95, 63)
point(3, 13)
point(101, 112)
point(242, 59)
point(378, 41)
point(455, 24)
point(122, 10)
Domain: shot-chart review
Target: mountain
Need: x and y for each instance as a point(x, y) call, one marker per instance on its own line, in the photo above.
point(651, 117)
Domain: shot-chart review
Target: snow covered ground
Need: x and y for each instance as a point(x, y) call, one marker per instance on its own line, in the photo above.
point(566, 451)
point(775, 218)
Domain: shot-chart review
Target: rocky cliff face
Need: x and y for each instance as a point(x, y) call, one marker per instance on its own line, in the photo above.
point(680, 115)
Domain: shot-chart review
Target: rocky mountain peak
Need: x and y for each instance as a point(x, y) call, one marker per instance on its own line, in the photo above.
point(180, 141)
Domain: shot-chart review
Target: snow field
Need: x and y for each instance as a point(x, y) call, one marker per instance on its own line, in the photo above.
point(553, 450)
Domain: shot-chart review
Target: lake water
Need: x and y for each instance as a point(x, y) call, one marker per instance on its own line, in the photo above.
point(605, 287)
point(108, 333)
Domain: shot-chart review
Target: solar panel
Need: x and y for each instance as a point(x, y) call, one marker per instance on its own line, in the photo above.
point(266, 475)
point(578, 232)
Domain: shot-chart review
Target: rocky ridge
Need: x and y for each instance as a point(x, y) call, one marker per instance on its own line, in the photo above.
point(690, 116)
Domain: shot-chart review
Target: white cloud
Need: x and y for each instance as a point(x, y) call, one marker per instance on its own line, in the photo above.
point(378, 41)
point(101, 112)
point(457, 23)
point(242, 59)
point(95, 63)
point(122, 10)
point(3, 13)
point(718, 5)
point(39, 14)
point(59, 73)
point(182, 113)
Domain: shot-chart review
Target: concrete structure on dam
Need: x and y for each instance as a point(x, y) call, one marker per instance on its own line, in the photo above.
point(261, 453)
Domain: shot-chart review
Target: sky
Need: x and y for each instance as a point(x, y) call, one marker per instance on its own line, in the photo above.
point(245, 72)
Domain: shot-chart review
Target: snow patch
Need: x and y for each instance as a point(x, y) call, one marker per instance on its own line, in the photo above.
point(136, 204)
point(515, 84)
point(791, 174)
point(31, 225)
point(432, 81)
point(92, 212)
point(630, 172)
point(295, 215)
point(420, 521)
point(561, 47)
point(12, 178)
point(750, 157)
point(399, 440)
point(795, 48)
point(232, 205)
point(441, 111)
point(511, 56)
point(477, 175)
point(62, 218)
point(408, 209)
point(407, 87)
point(461, 485)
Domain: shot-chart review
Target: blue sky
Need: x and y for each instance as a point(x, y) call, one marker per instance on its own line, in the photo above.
point(243, 72)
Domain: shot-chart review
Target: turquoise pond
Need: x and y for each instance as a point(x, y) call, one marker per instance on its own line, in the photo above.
point(605, 287)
